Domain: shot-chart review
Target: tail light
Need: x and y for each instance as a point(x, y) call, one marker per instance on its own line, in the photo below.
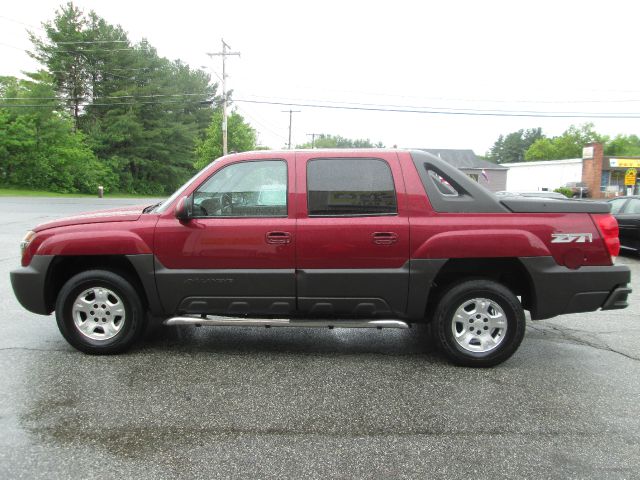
point(608, 226)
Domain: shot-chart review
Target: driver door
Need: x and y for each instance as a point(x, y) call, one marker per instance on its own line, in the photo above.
point(235, 256)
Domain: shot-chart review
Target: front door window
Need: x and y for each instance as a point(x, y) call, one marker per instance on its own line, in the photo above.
point(245, 189)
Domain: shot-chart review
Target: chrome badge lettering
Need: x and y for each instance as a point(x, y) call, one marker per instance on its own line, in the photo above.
point(571, 237)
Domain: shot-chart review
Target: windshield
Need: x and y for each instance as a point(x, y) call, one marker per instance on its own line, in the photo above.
point(164, 205)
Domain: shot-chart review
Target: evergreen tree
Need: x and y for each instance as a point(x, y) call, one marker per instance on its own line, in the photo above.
point(142, 114)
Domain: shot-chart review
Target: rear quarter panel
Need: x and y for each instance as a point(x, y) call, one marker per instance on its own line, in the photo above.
point(496, 235)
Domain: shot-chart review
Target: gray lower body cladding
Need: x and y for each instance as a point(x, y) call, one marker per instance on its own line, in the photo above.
point(400, 293)
point(315, 293)
point(29, 284)
point(559, 290)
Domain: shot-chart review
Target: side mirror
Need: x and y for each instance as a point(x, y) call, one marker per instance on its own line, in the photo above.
point(183, 209)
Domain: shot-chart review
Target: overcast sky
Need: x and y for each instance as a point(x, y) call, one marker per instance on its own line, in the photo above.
point(542, 56)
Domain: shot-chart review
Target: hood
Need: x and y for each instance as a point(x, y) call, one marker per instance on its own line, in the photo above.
point(123, 214)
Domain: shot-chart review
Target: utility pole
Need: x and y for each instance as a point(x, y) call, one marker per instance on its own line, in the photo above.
point(291, 112)
point(313, 138)
point(224, 54)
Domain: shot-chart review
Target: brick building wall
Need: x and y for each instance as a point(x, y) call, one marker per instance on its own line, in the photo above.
point(592, 170)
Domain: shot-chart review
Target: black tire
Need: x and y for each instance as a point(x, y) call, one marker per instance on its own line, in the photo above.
point(445, 323)
point(133, 319)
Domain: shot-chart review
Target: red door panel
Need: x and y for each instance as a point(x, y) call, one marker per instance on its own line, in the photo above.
point(228, 265)
point(351, 264)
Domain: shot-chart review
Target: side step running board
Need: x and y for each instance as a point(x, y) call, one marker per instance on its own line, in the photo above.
point(283, 322)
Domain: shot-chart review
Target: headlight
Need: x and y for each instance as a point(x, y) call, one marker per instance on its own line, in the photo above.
point(26, 241)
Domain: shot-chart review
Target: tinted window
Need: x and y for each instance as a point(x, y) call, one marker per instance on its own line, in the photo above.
point(634, 207)
point(245, 189)
point(443, 185)
point(617, 204)
point(350, 186)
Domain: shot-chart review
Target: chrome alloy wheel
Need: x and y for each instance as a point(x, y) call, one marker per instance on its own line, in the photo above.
point(479, 325)
point(98, 313)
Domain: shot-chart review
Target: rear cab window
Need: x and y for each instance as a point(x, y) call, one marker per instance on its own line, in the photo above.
point(350, 187)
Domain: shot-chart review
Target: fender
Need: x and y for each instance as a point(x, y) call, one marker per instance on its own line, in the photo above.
point(101, 242)
point(484, 243)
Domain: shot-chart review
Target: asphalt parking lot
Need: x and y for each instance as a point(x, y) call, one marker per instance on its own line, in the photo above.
point(301, 403)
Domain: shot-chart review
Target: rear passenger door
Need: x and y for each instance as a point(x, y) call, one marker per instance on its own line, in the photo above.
point(352, 246)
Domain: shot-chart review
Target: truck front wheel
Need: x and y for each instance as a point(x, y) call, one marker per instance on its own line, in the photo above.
point(478, 323)
point(99, 312)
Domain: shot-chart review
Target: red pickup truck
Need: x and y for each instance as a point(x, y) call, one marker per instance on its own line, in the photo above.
point(335, 238)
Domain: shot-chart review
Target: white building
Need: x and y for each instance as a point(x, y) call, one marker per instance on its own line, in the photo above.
point(539, 176)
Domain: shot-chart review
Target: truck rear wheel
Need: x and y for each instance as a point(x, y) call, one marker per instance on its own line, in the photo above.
point(478, 323)
point(99, 312)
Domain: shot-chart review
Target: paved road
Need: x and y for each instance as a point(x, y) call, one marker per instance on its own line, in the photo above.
point(301, 403)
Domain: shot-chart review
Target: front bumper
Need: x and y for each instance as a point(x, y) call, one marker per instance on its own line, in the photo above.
point(559, 290)
point(29, 284)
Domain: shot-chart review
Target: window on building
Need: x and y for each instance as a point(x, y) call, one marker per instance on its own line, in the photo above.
point(350, 186)
point(616, 181)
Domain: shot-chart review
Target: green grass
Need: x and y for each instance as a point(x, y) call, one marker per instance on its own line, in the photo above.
point(22, 192)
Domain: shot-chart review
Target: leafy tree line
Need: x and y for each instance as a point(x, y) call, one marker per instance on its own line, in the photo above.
point(532, 144)
point(336, 141)
point(105, 111)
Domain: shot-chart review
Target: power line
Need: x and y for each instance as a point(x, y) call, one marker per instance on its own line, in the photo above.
point(79, 50)
point(104, 71)
point(12, 46)
point(110, 97)
point(329, 103)
point(436, 111)
point(167, 102)
point(95, 50)
point(482, 100)
point(259, 122)
point(21, 23)
point(90, 42)
point(134, 69)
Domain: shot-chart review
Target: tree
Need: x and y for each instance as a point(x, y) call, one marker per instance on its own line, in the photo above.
point(512, 148)
point(567, 145)
point(336, 141)
point(63, 52)
point(142, 114)
point(241, 138)
point(623, 145)
point(39, 147)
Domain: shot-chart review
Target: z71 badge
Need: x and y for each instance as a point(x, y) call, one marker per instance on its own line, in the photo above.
point(571, 237)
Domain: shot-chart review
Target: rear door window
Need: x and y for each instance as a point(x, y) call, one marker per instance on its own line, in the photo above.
point(350, 187)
